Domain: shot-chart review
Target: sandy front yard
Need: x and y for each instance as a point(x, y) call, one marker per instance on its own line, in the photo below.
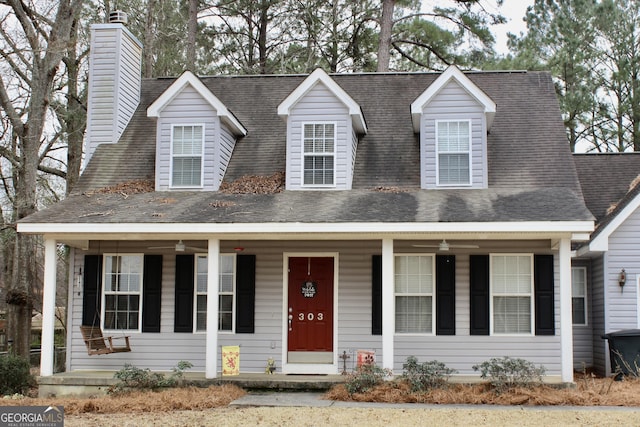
point(433, 416)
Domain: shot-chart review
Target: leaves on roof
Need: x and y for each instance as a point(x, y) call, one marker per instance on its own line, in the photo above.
point(383, 189)
point(253, 184)
point(126, 188)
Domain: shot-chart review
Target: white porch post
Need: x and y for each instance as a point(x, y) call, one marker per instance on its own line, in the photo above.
point(213, 265)
point(566, 321)
point(48, 308)
point(388, 306)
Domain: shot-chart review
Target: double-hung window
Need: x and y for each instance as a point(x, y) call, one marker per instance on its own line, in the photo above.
point(579, 295)
point(122, 291)
point(414, 293)
point(226, 292)
point(453, 145)
point(319, 152)
point(187, 143)
point(512, 293)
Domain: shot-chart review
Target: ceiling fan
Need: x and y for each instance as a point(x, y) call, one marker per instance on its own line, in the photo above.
point(445, 246)
point(179, 247)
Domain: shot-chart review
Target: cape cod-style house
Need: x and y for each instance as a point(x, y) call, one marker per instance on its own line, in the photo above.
point(302, 216)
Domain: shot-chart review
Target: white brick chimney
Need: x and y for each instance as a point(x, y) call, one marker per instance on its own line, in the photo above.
point(115, 67)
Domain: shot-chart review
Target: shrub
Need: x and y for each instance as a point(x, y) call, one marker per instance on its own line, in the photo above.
point(427, 375)
point(133, 378)
point(366, 377)
point(504, 373)
point(15, 375)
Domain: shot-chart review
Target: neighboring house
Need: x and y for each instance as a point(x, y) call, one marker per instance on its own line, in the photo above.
point(602, 302)
point(424, 214)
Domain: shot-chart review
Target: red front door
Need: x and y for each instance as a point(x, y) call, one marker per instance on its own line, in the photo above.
point(310, 336)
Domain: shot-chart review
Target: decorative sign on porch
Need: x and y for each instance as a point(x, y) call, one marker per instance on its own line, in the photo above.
point(309, 289)
point(231, 360)
point(366, 357)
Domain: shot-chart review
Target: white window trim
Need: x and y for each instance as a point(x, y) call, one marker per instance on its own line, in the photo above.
point(433, 294)
point(437, 154)
point(586, 296)
point(196, 293)
point(531, 296)
point(334, 154)
point(103, 297)
point(171, 156)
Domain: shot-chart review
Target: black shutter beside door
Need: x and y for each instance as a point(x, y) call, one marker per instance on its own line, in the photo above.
point(245, 294)
point(544, 298)
point(376, 295)
point(151, 293)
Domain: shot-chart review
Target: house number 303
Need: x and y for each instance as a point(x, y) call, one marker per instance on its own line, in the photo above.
point(310, 316)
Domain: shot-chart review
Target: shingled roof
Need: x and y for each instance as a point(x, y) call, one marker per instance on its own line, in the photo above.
point(531, 174)
point(609, 182)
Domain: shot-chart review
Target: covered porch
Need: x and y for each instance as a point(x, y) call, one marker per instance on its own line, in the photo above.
point(352, 246)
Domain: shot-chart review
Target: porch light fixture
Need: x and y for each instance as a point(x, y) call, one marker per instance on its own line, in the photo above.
point(444, 246)
point(180, 246)
point(622, 278)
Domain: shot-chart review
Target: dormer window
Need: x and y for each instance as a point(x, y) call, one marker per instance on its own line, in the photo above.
point(186, 155)
point(319, 154)
point(454, 152)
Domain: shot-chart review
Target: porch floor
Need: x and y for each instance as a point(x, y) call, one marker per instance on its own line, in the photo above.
point(86, 383)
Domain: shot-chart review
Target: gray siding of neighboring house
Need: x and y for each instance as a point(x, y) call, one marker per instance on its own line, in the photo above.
point(583, 334)
point(598, 304)
point(189, 108)
point(453, 103)
point(319, 104)
point(161, 351)
point(114, 85)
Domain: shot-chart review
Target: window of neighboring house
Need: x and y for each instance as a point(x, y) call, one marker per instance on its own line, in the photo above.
point(579, 295)
point(512, 293)
point(319, 142)
point(226, 292)
point(122, 291)
point(453, 144)
point(414, 296)
point(187, 143)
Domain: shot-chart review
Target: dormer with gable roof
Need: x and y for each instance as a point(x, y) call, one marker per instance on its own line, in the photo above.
point(453, 117)
point(196, 134)
point(323, 125)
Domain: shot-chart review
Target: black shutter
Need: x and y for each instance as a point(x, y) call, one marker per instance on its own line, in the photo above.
point(92, 296)
point(479, 271)
point(544, 298)
point(376, 295)
point(151, 293)
point(445, 295)
point(245, 294)
point(183, 318)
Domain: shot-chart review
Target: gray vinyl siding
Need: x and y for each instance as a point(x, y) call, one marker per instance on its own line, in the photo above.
point(598, 304)
point(319, 104)
point(227, 143)
point(620, 303)
point(583, 334)
point(162, 351)
point(114, 84)
point(453, 103)
point(189, 108)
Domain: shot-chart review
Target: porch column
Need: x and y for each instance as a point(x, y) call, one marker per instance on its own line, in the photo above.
point(566, 321)
point(48, 308)
point(388, 306)
point(211, 345)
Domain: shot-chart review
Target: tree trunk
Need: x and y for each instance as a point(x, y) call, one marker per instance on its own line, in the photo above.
point(149, 40)
point(384, 44)
point(192, 29)
point(262, 36)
